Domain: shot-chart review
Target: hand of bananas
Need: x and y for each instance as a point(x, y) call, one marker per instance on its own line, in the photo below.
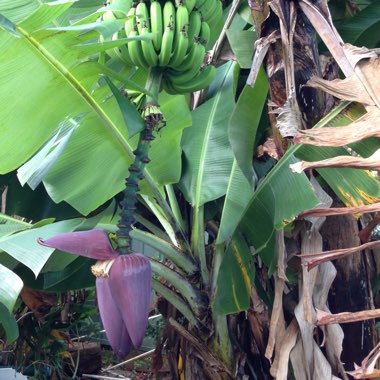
point(181, 32)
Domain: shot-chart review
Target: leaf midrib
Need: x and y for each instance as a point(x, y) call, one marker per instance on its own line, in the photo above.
point(73, 82)
point(64, 72)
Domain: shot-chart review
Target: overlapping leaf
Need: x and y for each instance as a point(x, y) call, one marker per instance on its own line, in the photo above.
point(55, 86)
point(23, 246)
point(207, 153)
point(235, 278)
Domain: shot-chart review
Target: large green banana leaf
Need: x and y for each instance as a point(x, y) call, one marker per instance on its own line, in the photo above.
point(242, 129)
point(45, 64)
point(244, 123)
point(208, 155)
point(17, 10)
point(363, 28)
point(241, 42)
point(239, 193)
point(236, 275)
point(281, 196)
point(275, 203)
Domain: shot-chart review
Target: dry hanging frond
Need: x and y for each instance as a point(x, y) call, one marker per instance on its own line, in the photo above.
point(366, 126)
point(371, 163)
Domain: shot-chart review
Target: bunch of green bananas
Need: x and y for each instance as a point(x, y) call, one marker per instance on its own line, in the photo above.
point(180, 32)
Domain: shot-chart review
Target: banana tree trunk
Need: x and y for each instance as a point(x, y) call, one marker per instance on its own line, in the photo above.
point(351, 290)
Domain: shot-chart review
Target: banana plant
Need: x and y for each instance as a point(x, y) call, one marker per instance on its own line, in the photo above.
point(213, 216)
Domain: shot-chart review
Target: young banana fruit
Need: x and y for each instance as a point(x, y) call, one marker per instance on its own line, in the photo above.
point(171, 34)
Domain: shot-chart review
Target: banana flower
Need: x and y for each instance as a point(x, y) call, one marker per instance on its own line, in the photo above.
point(123, 284)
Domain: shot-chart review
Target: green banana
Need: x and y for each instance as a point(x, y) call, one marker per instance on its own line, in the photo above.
point(167, 86)
point(205, 33)
point(181, 40)
point(197, 56)
point(150, 54)
point(135, 50)
point(118, 53)
point(123, 5)
point(156, 24)
point(195, 22)
point(189, 4)
point(131, 21)
point(169, 14)
point(181, 18)
point(180, 49)
point(122, 51)
point(142, 14)
point(108, 16)
point(200, 81)
point(166, 45)
point(208, 8)
point(216, 16)
point(199, 3)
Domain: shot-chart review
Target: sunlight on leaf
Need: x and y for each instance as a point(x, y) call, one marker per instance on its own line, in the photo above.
point(9, 26)
point(10, 287)
point(207, 153)
point(35, 170)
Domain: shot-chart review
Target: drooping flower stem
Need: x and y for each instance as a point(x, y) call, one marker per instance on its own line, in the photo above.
point(153, 121)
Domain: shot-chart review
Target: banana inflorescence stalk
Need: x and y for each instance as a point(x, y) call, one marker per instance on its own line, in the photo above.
point(177, 34)
point(153, 121)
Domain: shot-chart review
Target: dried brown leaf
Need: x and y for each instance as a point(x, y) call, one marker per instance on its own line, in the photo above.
point(370, 163)
point(205, 353)
point(38, 302)
point(324, 318)
point(276, 327)
point(320, 18)
point(269, 147)
point(297, 358)
point(370, 360)
point(375, 207)
point(363, 86)
point(304, 311)
point(350, 88)
point(358, 374)
point(356, 54)
point(289, 119)
point(366, 126)
point(314, 259)
point(332, 334)
point(287, 344)
point(261, 49)
point(367, 65)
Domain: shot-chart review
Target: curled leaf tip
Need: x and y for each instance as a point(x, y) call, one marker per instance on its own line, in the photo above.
point(41, 242)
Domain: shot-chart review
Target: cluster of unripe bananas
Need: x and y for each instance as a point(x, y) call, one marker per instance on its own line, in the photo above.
point(180, 32)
